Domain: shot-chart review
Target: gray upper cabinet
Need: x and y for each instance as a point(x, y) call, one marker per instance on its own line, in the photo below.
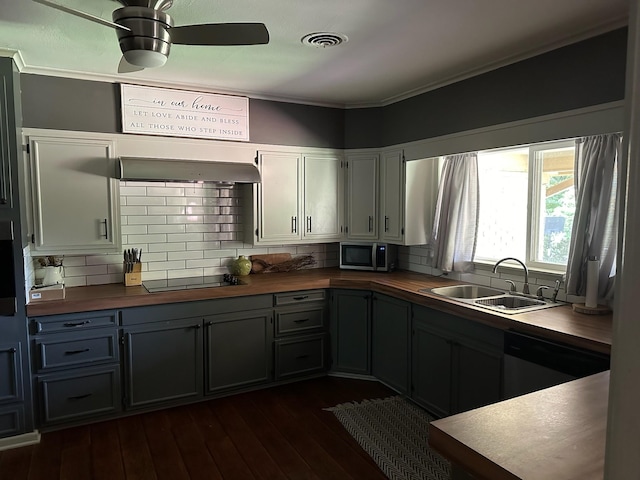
point(362, 196)
point(163, 362)
point(238, 350)
point(350, 327)
point(76, 204)
point(391, 341)
point(7, 128)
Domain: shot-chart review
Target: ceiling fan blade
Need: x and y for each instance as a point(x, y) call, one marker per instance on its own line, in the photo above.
point(86, 16)
point(126, 67)
point(220, 34)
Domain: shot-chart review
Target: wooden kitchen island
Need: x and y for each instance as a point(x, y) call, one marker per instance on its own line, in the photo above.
point(556, 433)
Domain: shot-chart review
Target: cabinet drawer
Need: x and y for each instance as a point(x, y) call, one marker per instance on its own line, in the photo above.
point(300, 355)
point(74, 322)
point(81, 393)
point(305, 296)
point(299, 321)
point(58, 351)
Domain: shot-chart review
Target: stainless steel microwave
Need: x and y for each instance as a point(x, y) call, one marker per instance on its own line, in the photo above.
point(375, 257)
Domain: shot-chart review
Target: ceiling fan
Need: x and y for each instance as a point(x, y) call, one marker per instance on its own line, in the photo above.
point(146, 32)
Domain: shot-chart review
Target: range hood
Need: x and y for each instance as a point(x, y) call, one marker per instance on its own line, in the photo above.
point(178, 170)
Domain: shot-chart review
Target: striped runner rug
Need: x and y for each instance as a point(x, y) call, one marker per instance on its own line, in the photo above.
point(394, 432)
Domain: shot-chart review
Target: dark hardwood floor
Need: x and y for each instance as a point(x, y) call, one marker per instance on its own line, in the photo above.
point(276, 433)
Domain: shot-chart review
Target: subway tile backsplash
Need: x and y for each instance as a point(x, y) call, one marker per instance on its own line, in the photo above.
point(191, 229)
point(183, 229)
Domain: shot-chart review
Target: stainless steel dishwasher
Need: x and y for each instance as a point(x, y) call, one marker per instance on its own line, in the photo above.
point(532, 363)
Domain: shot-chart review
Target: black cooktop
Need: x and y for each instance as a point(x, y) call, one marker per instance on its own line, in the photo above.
point(188, 283)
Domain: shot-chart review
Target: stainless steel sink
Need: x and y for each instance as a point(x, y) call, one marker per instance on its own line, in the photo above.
point(467, 291)
point(493, 298)
point(510, 301)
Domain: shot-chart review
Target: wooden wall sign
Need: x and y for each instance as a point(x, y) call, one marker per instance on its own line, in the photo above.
point(181, 113)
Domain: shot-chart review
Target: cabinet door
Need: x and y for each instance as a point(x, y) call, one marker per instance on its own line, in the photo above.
point(163, 362)
point(238, 350)
point(322, 198)
point(350, 331)
point(390, 345)
point(478, 377)
point(279, 197)
point(362, 191)
point(431, 369)
point(10, 373)
point(391, 195)
point(6, 129)
point(75, 196)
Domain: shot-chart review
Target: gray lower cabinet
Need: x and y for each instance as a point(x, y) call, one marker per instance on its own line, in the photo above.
point(11, 390)
point(76, 365)
point(390, 341)
point(456, 363)
point(163, 362)
point(301, 344)
point(238, 350)
point(350, 327)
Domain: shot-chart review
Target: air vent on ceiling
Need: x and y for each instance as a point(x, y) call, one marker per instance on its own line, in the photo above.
point(324, 39)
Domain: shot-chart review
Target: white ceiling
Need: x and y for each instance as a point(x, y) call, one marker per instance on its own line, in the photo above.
point(396, 48)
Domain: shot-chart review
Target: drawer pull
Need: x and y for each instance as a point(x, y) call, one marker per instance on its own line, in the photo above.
point(77, 324)
point(302, 320)
point(302, 357)
point(75, 352)
point(80, 397)
point(303, 297)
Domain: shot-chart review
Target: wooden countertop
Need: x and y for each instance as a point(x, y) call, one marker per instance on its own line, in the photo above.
point(556, 433)
point(557, 323)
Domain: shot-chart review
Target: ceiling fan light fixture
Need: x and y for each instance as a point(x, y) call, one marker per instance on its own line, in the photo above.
point(145, 58)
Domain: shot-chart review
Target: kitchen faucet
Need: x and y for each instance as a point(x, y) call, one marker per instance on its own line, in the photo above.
point(525, 288)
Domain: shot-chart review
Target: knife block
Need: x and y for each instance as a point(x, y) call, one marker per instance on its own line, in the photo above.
point(134, 277)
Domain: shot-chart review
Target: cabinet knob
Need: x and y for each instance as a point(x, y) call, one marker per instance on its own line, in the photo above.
point(13, 350)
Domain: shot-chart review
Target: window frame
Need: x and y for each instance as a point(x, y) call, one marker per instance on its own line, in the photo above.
point(534, 198)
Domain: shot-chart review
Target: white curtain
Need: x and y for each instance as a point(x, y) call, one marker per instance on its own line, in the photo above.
point(456, 217)
point(595, 224)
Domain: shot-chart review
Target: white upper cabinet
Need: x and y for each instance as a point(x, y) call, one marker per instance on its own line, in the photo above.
point(391, 193)
point(279, 197)
point(395, 206)
point(362, 196)
point(299, 198)
point(323, 201)
point(76, 204)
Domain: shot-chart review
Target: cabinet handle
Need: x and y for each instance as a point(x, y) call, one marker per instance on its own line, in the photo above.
point(370, 223)
point(303, 297)
point(294, 224)
point(309, 223)
point(302, 357)
point(75, 352)
point(106, 230)
point(79, 397)
point(13, 350)
point(77, 324)
point(197, 326)
point(302, 320)
point(386, 223)
point(209, 323)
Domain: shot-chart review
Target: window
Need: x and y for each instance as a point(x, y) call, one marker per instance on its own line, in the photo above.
point(527, 204)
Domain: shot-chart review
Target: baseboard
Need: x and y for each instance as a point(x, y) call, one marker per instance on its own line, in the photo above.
point(23, 440)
